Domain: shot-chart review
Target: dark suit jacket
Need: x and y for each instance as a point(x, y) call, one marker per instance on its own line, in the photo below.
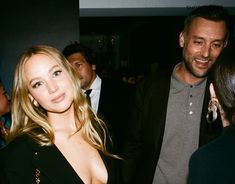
point(114, 106)
point(147, 122)
point(19, 160)
point(215, 162)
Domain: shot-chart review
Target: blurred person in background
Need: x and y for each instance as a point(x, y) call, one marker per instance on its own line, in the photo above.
point(5, 115)
point(109, 97)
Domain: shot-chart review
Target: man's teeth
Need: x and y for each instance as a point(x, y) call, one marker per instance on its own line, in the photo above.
point(201, 60)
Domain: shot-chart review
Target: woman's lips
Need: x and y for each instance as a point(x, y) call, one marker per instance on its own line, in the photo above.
point(58, 98)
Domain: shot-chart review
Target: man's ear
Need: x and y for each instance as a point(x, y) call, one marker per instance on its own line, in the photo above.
point(181, 39)
point(225, 43)
point(93, 67)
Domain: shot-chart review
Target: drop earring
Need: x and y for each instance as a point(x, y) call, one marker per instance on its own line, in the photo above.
point(212, 110)
point(35, 103)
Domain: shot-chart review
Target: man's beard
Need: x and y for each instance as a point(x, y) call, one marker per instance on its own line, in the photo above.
point(191, 70)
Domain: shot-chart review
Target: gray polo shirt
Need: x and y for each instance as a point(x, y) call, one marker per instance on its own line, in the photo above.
point(181, 136)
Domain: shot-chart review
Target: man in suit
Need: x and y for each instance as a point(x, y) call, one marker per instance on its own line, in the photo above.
point(168, 119)
point(109, 98)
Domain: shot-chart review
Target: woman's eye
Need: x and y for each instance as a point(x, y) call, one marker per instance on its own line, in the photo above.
point(57, 73)
point(37, 84)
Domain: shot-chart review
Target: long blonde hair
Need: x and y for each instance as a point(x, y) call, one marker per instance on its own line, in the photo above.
point(33, 121)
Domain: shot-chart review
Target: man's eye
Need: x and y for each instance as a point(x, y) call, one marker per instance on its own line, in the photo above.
point(198, 42)
point(77, 65)
point(217, 45)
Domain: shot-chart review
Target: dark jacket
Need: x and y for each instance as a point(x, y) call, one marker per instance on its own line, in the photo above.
point(20, 159)
point(114, 106)
point(147, 122)
point(215, 162)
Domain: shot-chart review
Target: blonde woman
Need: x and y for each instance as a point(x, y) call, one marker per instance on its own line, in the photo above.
point(55, 136)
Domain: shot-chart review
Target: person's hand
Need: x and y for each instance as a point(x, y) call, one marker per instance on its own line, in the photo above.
point(225, 122)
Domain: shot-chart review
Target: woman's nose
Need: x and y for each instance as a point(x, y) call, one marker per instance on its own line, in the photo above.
point(52, 86)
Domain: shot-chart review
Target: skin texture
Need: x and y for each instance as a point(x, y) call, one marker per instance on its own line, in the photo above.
point(4, 101)
point(201, 45)
point(85, 70)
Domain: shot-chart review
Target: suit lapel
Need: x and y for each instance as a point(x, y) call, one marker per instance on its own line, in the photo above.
point(160, 102)
point(53, 165)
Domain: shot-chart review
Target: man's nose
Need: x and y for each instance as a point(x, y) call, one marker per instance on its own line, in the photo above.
point(206, 51)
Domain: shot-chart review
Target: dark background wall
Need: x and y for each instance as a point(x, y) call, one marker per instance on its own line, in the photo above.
point(28, 22)
point(141, 43)
point(136, 33)
point(142, 40)
point(133, 41)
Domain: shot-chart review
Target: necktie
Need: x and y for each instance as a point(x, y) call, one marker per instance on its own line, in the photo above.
point(87, 92)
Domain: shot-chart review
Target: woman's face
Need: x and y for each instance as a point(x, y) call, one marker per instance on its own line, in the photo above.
point(48, 84)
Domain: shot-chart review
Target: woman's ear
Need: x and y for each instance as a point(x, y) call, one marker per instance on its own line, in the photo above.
point(31, 97)
point(34, 102)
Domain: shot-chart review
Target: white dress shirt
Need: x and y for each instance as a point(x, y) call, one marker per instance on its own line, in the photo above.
point(95, 93)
